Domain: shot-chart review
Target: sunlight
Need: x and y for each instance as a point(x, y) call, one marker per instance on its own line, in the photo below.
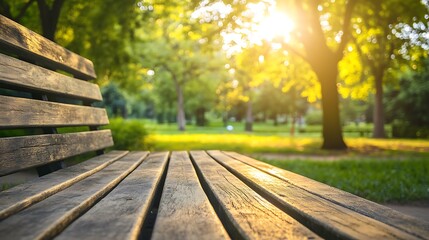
point(276, 25)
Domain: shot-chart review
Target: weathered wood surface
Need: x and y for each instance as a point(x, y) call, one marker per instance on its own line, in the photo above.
point(22, 112)
point(110, 197)
point(21, 74)
point(120, 215)
point(48, 218)
point(23, 152)
point(22, 196)
point(322, 216)
point(29, 44)
point(248, 214)
point(371, 209)
point(185, 211)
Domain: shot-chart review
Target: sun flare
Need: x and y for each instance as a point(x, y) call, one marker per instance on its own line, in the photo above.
point(276, 25)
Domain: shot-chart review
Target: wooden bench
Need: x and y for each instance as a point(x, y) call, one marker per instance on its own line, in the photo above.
point(123, 195)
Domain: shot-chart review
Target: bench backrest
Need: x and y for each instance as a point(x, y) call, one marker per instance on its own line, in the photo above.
point(43, 87)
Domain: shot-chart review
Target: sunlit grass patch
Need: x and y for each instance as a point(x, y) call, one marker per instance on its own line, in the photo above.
point(369, 144)
point(249, 143)
point(235, 142)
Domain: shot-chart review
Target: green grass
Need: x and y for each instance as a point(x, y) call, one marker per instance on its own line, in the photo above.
point(259, 128)
point(382, 170)
point(391, 180)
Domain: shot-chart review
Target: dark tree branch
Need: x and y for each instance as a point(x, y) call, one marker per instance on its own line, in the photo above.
point(365, 59)
point(23, 10)
point(289, 48)
point(346, 28)
point(5, 9)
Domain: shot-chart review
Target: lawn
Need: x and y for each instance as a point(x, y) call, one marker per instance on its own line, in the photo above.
point(383, 170)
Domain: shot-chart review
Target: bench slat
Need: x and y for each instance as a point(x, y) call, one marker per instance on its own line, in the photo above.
point(120, 215)
point(25, 75)
point(29, 44)
point(22, 196)
point(49, 217)
point(324, 217)
point(376, 211)
point(19, 153)
point(22, 112)
point(247, 214)
point(185, 211)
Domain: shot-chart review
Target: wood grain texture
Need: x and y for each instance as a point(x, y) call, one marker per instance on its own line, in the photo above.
point(31, 45)
point(22, 112)
point(48, 218)
point(185, 211)
point(29, 151)
point(22, 196)
point(322, 216)
point(25, 75)
point(371, 209)
point(120, 215)
point(247, 215)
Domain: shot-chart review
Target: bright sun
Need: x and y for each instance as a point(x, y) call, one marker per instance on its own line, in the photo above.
point(274, 26)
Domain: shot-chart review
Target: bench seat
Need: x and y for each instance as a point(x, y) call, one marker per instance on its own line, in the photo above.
point(195, 195)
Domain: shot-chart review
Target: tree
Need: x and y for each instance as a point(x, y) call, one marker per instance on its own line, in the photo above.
point(91, 28)
point(249, 66)
point(49, 14)
point(378, 45)
point(203, 88)
point(323, 30)
point(181, 39)
point(114, 101)
point(409, 99)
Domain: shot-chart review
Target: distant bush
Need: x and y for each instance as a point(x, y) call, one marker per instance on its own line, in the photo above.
point(128, 134)
point(314, 118)
point(406, 130)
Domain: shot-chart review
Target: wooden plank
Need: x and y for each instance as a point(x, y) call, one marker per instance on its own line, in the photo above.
point(25, 75)
point(247, 215)
point(18, 153)
point(29, 44)
point(22, 112)
point(22, 196)
point(49, 217)
point(185, 211)
point(120, 215)
point(322, 216)
point(371, 209)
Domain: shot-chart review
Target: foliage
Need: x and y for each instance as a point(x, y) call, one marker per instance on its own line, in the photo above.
point(380, 39)
point(408, 104)
point(199, 56)
point(114, 101)
point(409, 101)
point(377, 180)
point(128, 134)
point(314, 118)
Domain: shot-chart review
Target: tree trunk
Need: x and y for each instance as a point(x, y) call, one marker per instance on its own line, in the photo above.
point(378, 117)
point(180, 108)
point(225, 119)
point(332, 134)
point(200, 117)
point(292, 126)
point(249, 116)
point(49, 17)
